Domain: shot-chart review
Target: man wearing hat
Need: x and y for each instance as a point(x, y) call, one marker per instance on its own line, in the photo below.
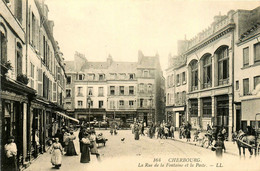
point(219, 146)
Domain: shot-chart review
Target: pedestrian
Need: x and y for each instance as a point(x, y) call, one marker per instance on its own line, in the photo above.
point(172, 129)
point(136, 129)
point(188, 135)
point(66, 140)
point(80, 136)
point(85, 155)
point(56, 151)
point(111, 130)
point(10, 154)
point(93, 148)
point(71, 151)
point(166, 131)
point(142, 128)
point(219, 146)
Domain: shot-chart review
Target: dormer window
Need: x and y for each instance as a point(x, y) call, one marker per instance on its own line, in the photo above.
point(131, 76)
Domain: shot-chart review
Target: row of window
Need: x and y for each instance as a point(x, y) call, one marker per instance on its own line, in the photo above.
point(180, 79)
point(246, 55)
point(121, 103)
point(246, 89)
point(101, 77)
point(222, 56)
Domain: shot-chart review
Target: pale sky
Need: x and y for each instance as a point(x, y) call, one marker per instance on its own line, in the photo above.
point(98, 28)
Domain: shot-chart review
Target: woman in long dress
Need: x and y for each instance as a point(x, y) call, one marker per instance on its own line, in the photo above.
point(85, 155)
point(56, 151)
point(71, 151)
point(11, 152)
point(136, 129)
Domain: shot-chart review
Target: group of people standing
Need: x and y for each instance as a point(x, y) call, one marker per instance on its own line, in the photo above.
point(64, 143)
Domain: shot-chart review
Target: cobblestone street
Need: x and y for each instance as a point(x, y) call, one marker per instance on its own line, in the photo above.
point(140, 155)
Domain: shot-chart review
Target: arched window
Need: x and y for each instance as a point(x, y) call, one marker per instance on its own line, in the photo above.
point(194, 75)
point(3, 45)
point(223, 66)
point(207, 71)
point(19, 61)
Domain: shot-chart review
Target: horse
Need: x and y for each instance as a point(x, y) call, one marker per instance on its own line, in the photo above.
point(244, 141)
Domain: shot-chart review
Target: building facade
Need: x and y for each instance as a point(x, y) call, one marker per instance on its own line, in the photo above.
point(102, 91)
point(247, 72)
point(32, 79)
point(218, 61)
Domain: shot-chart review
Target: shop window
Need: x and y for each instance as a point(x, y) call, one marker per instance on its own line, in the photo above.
point(245, 56)
point(207, 108)
point(194, 108)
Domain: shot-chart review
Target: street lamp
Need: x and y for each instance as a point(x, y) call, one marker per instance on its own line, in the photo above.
point(114, 112)
point(151, 98)
point(89, 102)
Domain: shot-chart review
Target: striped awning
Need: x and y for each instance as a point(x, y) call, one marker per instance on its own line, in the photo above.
point(68, 117)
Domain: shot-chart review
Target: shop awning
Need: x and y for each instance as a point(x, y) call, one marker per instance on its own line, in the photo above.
point(250, 108)
point(68, 117)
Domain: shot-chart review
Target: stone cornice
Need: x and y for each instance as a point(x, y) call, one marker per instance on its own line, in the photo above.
point(211, 38)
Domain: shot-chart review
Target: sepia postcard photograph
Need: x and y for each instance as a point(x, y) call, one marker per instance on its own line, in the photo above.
point(125, 85)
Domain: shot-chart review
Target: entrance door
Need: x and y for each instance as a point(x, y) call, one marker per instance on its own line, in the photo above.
point(238, 119)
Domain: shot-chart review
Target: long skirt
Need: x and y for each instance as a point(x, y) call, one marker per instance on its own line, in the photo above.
point(85, 156)
point(71, 151)
point(136, 135)
point(11, 164)
point(80, 146)
point(94, 149)
point(56, 157)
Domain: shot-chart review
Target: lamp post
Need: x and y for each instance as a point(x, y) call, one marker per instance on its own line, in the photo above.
point(114, 112)
point(89, 102)
point(151, 114)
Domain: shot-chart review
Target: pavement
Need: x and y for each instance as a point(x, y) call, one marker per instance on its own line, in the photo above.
point(122, 152)
point(231, 147)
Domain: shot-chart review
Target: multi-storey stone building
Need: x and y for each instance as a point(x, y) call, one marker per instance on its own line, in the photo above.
point(247, 71)
point(213, 60)
point(107, 90)
point(176, 90)
point(32, 92)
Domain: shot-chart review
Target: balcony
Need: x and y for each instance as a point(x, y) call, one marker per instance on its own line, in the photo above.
point(223, 81)
point(194, 88)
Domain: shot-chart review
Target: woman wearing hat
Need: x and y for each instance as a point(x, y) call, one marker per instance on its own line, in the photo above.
point(56, 151)
point(85, 156)
point(11, 152)
point(71, 151)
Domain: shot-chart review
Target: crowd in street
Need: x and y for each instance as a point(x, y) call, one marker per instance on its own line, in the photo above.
point(64, 145)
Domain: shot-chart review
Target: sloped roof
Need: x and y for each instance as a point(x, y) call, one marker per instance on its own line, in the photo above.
point(148, 62)
point(96, 65)
point(122, 67)
point(69, 66)
point(254, 29)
